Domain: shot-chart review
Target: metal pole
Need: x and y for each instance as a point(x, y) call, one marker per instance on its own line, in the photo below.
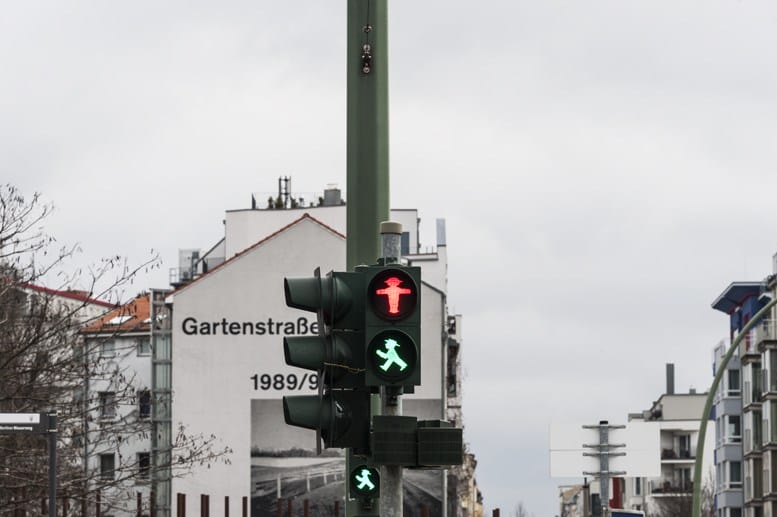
point(391, 398)
point(367, 147)
point(604, 467)
point(697, 474)
point(604, 450)
point(52, 432)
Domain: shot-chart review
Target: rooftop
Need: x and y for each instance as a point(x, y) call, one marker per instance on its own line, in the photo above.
point(735, 294)
point(134, 316)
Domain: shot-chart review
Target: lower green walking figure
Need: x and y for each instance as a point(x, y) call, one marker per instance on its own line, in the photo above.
point(391, 356)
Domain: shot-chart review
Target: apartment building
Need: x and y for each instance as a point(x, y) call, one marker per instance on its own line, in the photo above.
point(117, 420)
point(754, 487)
point(678, 416)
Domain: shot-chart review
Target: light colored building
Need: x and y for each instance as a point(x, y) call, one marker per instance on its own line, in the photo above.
point(117, 422)
point(573, 501)
point(757, 353)
point(678, 415)
point(229, 375)
point(728, 436)
point(738, 407)
point(68, 303)
point(44, 371)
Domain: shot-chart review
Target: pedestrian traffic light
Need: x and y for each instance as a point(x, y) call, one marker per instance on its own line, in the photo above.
point(340, 412)
point(365, 483)
point(392, 325)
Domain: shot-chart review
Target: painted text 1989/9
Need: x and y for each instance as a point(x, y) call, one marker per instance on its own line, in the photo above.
point(279, 381)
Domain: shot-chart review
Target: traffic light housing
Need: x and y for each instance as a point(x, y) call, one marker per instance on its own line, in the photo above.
point(392, 353)
point(340, 417)
point(340, 412)
point(364, 483)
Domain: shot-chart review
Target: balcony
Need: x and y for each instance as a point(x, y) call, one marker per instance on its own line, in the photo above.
point(670, 488)
point(769, 376)
point(677, 456)
point(753, 443)
point(763, 334)
point(751, 395)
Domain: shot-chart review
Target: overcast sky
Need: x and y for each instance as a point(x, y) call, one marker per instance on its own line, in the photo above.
point(606, 169)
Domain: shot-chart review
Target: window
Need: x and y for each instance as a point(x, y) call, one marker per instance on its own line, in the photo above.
point(144, 404)
point(757, 382)
point(733, 383)
point(107, 348)
point(144, 346)
point(107, 466)
point(735, 474)
point(107, 404)
point(757, 430)
point(685, 480)
point(769, 373)
point(637, 486)
point(684, 442)
point(734, 429)
point(144, 465)
point(404, 244)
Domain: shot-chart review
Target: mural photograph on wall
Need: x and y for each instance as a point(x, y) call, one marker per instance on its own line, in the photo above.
point(285, 469)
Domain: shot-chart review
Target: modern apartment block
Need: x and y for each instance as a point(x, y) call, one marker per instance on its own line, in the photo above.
point(678, 415)
point(728, 436)
point(756, 483)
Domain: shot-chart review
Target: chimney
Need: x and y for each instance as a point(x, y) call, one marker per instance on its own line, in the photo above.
point(332, 195)
point(670, 378)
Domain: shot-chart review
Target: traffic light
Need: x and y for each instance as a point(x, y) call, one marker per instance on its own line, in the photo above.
point(392, 325)
point(365, 483)
point(340, 412)
point(340, 417)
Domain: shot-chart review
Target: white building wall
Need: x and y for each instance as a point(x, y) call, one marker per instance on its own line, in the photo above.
point(212, 373)
point(135, 369)
point(409, 220)
point(670, 467)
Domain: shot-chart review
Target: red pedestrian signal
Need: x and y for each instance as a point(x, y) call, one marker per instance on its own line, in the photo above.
point(393, 294)
point(392, 325)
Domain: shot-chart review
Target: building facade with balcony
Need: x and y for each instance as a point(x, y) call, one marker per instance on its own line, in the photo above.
point(742, 457)
point(118, 415)
point(728, 436)
point(678, 417)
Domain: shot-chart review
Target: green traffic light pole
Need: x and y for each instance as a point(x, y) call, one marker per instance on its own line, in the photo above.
point(367, 155)
point(697, 481)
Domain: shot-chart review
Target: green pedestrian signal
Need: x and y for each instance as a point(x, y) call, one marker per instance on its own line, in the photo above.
point(393, 325)
point(392, 357)
point(365, 482)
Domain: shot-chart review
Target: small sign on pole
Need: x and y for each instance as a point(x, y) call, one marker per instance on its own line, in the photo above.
point(23, 423)
point(42, 423)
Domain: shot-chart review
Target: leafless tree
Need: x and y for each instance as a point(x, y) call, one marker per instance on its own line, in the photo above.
point(681, 504)
point(44, 364)
point(521, 511)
